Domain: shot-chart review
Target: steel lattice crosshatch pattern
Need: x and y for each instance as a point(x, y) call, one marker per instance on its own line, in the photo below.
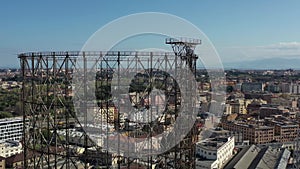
point(50, 139)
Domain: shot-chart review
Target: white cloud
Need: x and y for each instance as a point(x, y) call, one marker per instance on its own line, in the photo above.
point(284, 46)
point(278, 50)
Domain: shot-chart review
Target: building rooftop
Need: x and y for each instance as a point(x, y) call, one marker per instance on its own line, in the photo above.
point(10, 143)
point(245, 124)
point(213, 143)
point(205, 162)
point(243, 158)
point(270, 158)
point(16, 158)
point(256, 157)
point(5, 120)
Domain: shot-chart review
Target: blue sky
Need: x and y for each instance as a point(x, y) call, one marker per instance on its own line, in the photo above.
point(240, 30)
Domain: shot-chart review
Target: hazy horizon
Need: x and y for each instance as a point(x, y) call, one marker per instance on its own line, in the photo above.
point(240, 31)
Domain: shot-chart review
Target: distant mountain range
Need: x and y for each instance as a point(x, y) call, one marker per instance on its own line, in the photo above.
point(271, 63)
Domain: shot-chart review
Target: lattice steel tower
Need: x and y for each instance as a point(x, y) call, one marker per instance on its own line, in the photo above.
point(59, 133)
point(183, 155)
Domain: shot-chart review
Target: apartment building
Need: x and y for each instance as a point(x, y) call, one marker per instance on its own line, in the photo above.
point(286, 133)
point(10, 148)
point(260, 134)
point(11, 129)
point(254, 133)
point(2, 162)
point(252, 87)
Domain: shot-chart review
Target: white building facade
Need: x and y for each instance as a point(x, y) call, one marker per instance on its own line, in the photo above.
point(218, 149)
point(11, 129)
point(10, 148)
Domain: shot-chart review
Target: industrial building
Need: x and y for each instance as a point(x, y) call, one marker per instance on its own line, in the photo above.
point(256, 157)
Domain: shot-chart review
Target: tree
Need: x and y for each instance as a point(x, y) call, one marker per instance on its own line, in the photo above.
point(5, 115)
point(229, 89)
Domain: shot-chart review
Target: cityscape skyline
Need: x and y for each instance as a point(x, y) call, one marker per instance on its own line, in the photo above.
point(157, 84)
point(240, 31)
